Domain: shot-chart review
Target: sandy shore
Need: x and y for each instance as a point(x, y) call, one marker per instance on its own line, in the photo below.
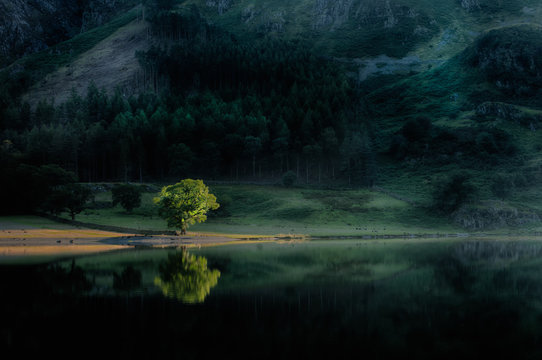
point(19, 239)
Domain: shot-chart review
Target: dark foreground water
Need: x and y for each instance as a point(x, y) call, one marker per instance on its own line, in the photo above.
point(407, 299)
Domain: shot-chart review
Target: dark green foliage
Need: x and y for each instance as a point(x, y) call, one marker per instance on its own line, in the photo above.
point(418, 129)
point(71, 198)
point(472, 147)
point(451, 192)
point(289, 178)
point(358, 159)
point(180, 159)
point(25, 188)
point(254, 110)
point(511, 58)
point(127, 195)
point(502, 185)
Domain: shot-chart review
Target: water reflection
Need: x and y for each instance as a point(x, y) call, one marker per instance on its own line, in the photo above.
point(186, 277)
point(128, 280)
point(407, 300)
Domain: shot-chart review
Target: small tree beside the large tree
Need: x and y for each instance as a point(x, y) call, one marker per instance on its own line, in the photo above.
point(127, 195)
point(185, 203)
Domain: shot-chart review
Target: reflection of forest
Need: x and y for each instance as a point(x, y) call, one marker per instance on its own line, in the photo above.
point(186, 277)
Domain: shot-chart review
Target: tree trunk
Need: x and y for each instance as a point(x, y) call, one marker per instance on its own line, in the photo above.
point(254, 166)
point(319, 172)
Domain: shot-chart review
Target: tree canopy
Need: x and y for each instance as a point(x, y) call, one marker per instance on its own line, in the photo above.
point(127, 195)
point(185, 203)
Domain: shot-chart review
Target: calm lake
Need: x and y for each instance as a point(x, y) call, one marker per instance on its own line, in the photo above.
point(408, 299)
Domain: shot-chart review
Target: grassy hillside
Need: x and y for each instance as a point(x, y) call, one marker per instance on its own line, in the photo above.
point(486, 89)
point(272, 210)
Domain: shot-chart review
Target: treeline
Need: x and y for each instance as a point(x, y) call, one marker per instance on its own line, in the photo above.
point(476, 147)
point(230, 110)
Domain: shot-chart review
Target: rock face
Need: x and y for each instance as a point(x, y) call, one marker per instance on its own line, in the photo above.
point(344, 28)
point(511, 58)
point(470, 5)
point(331, 13)
point(28, 26)
point(365, 13)
point(510, 113)
point(221, 5)
point(489, 6)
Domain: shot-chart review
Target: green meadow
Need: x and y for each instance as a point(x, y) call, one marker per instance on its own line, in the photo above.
point(276, 210)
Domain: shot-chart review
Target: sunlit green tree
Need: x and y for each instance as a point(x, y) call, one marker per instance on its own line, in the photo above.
point(185, 203)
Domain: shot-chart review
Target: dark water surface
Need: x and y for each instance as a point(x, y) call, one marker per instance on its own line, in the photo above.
point(408, 299)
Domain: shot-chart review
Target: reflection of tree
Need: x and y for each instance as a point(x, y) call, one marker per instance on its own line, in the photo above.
point(186, 277)
point(64, 280)
point(129, 279)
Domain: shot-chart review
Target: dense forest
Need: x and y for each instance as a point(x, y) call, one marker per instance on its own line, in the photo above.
point(217, 109)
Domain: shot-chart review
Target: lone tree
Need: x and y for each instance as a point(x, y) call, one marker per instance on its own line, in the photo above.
point(185, 203)
point(127, 195)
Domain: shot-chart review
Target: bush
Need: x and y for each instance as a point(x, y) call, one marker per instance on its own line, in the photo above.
point(127, 195)
point(502, 185)
point(289, 178)
point(452, 192)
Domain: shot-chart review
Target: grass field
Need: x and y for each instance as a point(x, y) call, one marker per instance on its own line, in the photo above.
point(270, 210)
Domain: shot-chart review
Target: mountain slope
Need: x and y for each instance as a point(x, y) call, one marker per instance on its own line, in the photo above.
point(110, 65)
point(30, 26)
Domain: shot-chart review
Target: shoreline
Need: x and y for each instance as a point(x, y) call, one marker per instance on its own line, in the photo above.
point(67, 237)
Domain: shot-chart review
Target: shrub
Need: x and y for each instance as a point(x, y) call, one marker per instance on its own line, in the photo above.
point(452, 192)
point(127, 195)
point(502, 185)
point(289, 178)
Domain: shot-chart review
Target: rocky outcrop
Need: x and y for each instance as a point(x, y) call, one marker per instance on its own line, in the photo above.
point(470, 5)
point(385, 14)
point(492, 215)
point(511, 58)
point(274, 22)
point(510, 113)
point(331, 12)
point(221, 5)
point(490, 6)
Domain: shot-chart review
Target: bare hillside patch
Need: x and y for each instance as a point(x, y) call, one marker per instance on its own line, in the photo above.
point(111, 64)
